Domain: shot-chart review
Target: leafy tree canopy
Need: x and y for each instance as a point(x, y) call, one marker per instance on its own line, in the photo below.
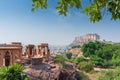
point(95, 9)
point(90, 48)
point(13, 72)
point(68, 55)
point(102, 54)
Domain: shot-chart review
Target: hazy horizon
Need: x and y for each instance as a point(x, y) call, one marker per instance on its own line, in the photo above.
point(19, 24)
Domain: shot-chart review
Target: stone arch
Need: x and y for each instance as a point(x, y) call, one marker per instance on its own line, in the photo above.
point(7, 58)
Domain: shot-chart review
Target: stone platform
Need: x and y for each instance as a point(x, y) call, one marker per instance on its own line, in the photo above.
point(36, 61)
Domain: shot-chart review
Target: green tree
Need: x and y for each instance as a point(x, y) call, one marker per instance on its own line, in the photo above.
point(102, 54)
point(69, 55)
point(90, 48)
point(95, 9)
point(13, 72)
point(116, 58)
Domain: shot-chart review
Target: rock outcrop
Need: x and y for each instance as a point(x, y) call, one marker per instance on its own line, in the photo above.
point(52, 71)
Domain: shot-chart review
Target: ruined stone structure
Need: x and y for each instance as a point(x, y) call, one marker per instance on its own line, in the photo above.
point(10, 53)
point(30, 51)
point(36, 56)
point(42, 51)
point(80, 40)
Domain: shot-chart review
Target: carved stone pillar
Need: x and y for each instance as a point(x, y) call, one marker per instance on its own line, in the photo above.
point(39, 51)
point(48, 52)
point(20, 53)
point(34, 52)
point(10, 57)
point(28, 53)
point(43, 52)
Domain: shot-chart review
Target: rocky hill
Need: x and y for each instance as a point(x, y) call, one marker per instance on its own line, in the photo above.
point(80, 40)
point(51, 71)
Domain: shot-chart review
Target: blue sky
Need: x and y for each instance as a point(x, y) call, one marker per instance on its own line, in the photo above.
point(18, 23)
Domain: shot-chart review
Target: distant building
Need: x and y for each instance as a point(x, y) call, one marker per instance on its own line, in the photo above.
point(80, 40)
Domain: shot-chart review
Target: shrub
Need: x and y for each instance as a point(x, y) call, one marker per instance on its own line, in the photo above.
point(13, 72)
point(85, 66)
point(109, 75)
point(60, 60)
point(81, 76)
point(69, 55)
point(77, 60)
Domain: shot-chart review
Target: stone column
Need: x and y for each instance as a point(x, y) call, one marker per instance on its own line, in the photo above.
point(10, 57)
point(47, 51)
point(34, 52)
point(39, 51)
point(3, 58)
point(20, 52)
point(32, 55)
point(43, 52)
point(28, 52)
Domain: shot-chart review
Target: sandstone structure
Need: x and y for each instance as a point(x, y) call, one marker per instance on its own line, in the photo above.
point(30, 51)
point(10, 53)
point(42, 51)
point(36, 56)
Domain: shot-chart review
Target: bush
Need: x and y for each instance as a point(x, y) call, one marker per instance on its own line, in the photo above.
point(60, 60)
point(109, 75)
point(81, 76)
point(77, 60)
point(13, 72)
point(69, 55)
point(86, 66)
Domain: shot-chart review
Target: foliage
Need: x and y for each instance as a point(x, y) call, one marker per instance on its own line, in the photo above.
point(60, 60)
point(90, 48)
point(85, 66)
point(102, 54)
point(77, 60)
point(116, 58)
point(13, 72)
point(81, 76)
point(68, 55)
point(110, 75)
point(77, 46)
point(95, 9)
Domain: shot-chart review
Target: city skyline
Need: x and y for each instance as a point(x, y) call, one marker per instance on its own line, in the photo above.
point(18, 23)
